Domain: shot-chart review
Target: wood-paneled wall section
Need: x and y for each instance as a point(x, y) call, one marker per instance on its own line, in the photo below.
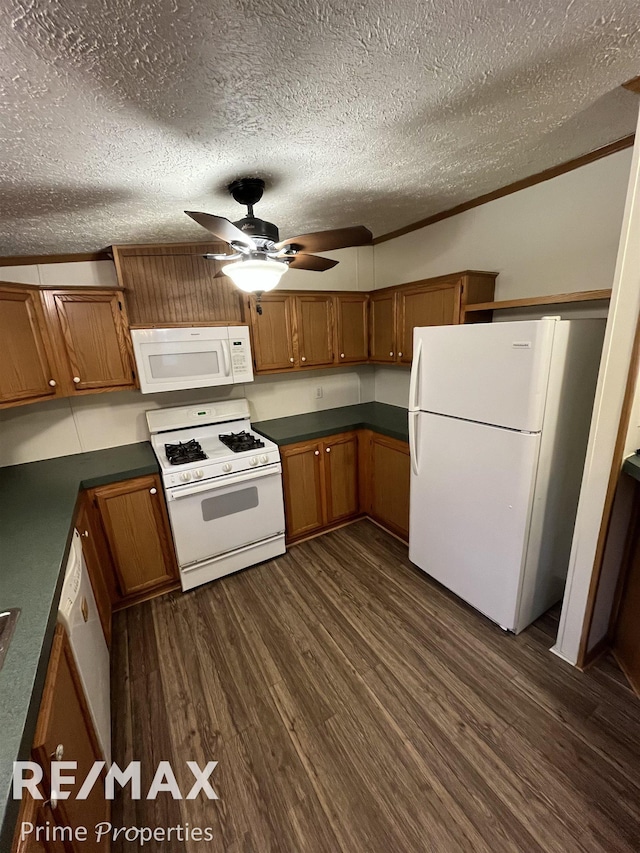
point(174, 284)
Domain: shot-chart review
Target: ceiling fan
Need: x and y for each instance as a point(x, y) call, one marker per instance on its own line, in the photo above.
point(258, 258)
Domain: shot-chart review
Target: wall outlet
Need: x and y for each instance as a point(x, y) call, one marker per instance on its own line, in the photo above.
point(319, 392)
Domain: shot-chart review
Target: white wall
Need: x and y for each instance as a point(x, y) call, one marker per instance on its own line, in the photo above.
point(60, 427)
point(555, 237)
point(617, 351)
point(78, 273)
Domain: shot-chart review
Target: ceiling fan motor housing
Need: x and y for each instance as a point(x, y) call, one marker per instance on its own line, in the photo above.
point(258, 228)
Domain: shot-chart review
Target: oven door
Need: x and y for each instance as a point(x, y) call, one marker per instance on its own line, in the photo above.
point(185, 359)
point(221, 515)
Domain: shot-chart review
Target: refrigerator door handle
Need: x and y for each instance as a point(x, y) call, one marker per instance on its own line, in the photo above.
point(415, 375)
point(413, 443)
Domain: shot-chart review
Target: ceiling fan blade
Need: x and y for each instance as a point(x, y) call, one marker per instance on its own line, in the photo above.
point(325, 241)
point(222, 228)
point(312, 262)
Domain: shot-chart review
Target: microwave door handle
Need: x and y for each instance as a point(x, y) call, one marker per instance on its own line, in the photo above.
point(178, 492)
point(225, 358)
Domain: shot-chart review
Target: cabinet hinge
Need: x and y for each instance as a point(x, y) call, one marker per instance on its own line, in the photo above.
point(119, 305)
point(133, 374)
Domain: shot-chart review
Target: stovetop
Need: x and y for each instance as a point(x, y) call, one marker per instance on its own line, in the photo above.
point(207, 451)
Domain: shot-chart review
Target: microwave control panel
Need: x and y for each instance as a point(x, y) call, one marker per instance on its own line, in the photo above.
point(240, 348)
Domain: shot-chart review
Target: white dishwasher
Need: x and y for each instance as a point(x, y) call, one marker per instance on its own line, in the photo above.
point(79, 615)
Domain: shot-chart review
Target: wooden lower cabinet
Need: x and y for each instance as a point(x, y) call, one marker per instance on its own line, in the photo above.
point(98, 561)
point(387, 487)
point(136, 527)
point(332, 480)
point(320, 483)
point(341, 477)
point(65, 729)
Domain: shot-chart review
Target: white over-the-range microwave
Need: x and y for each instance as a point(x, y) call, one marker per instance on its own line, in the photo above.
point(194, 357)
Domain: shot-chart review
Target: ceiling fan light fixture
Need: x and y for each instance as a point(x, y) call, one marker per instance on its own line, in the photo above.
point(255, 275)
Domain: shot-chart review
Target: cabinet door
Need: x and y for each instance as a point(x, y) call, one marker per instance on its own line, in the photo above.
point(389, 483)
point(303, 478)
point(424, 306)
point(352, 333)
point(26, 373)
point(98, 566)
point(93, 339)
point(382, 327)
point(341, 477)
point(37, 814)
point(314, 319)
point(65, 722)
point(134, 516)
point(273, 333)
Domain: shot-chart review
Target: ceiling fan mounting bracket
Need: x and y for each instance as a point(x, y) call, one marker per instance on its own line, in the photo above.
point(247, 191)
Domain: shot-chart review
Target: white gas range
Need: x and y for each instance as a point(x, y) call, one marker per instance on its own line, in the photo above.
point(223, 484)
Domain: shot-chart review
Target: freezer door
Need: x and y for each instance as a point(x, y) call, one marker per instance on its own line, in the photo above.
point(471, 493)
point(494, 373)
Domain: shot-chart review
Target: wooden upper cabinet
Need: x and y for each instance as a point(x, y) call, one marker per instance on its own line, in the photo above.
point(382, 326)
point(341, 477)
point(352, 327)
point(424, 306)
point(173, 284)
point(135, 521)
point(65, 721)
point(27, 373)
point(303, 481)
point(314, 321)
point(92, 338)
point(272, 332)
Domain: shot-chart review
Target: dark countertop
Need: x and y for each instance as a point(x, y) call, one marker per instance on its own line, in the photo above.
point(631, 466)
point(37, 506)
point(379, 417)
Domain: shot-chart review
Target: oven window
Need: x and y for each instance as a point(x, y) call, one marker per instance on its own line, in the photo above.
point(182, 365)
point(229, 504)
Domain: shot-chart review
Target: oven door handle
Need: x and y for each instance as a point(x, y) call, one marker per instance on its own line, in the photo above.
point(222, 482)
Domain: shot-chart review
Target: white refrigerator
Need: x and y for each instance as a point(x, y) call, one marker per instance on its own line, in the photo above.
point(499, 417)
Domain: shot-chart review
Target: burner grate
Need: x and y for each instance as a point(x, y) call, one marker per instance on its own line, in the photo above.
point(240, 441)
point(183, 452)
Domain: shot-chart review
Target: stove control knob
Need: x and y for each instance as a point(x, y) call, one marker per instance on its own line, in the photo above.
point(227, 467)
point(264, 459)
point(185, 476)
point(253, 461)
point(198, 474)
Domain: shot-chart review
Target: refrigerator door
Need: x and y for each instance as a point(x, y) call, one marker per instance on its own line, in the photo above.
point(471, 493)
point(493, 373)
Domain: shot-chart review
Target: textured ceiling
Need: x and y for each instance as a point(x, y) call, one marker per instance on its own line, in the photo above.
point(119, 114)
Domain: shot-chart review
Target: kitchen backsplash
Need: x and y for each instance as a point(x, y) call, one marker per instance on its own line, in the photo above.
point(60, 427)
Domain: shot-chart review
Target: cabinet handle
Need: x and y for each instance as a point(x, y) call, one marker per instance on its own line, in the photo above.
point(59, 753)
point(53, 383)
point(341, 355)
point(303, 359)
point(399, 355)
point(85, 534)
point(52, 802)
point(391, 354)
point(328, 449)
point(291, 360)
point(316, 453)
point(152, 491)
point(76, 379)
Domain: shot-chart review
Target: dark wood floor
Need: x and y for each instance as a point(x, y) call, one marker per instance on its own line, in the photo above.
point(354, 705)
